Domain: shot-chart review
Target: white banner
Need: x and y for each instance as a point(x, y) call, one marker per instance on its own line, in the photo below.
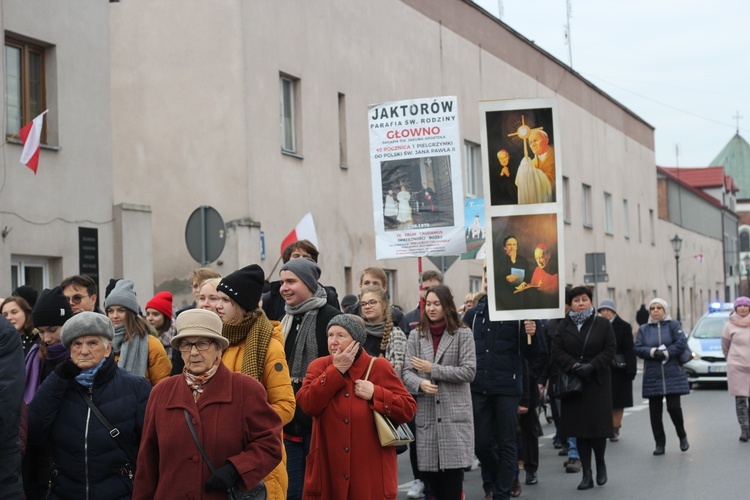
point(522, 172)
point(417, 190)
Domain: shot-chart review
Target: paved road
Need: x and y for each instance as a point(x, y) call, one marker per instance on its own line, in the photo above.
point(716, 466)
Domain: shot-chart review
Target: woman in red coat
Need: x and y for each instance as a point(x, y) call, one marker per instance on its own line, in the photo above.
point(240, 432)
point(346, 459)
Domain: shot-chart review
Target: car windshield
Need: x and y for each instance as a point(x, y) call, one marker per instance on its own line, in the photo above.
point(710, 327)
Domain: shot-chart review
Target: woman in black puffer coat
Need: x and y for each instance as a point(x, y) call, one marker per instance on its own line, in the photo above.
point(660, 343)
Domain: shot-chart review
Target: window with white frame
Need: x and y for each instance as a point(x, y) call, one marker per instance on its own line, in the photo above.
point(587, 208)
point(473, 159)
point(390, 278)
point(31, 271)
point(609, 219)
point(475, 284)
point(625, 219)
point(288, 103)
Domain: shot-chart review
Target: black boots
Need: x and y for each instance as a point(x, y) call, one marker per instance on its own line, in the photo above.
point(601, 474)
point(684, 445)
point(659, 450)
point(745, 435)
point(587, 482)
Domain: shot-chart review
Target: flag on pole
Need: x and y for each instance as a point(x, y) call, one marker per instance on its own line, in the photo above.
point(31, 136)
point(304, 230)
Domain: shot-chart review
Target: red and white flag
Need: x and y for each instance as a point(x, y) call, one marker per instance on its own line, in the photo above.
point(304, 230)
point(698, 257)
point(31, 137)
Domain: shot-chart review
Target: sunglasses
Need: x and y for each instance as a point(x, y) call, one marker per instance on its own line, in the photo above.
point(76, 299)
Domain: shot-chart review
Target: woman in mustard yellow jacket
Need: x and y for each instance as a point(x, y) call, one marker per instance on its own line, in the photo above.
point(255, 350)
point(135, 349)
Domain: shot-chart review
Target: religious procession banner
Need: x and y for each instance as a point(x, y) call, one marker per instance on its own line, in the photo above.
point(475, 229)
point(522, 173)
point(417, 189)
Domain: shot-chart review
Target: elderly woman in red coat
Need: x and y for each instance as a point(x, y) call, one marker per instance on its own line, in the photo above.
point(346, 459)
point(240, 432)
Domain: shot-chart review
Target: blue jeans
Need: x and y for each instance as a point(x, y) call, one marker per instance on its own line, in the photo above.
point(296, 454)
point(573, 449)
point(495, 421)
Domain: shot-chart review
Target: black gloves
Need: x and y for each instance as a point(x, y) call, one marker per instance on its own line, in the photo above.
point(659, 355)
point(224, 478)
point(584, 370)
point(67, 370)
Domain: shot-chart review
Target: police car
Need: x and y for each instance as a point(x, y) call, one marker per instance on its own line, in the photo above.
point(708, 363)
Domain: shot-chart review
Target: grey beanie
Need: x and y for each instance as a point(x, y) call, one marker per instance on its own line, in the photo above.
point(123, 295)
point(352, 324)
point(306, 269)
point(86, 323)
point(607, 304)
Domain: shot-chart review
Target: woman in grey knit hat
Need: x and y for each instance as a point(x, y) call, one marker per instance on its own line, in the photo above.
point(135, 349)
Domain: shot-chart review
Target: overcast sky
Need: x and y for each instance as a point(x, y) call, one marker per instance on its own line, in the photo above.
point(682, 66)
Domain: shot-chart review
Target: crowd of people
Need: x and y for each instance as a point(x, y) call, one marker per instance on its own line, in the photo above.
point(276, 386)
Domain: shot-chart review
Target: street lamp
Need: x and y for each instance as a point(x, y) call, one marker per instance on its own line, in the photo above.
point(746, 260)
point(676, 245)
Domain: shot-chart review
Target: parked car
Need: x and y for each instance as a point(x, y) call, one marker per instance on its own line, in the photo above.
point(708, 364)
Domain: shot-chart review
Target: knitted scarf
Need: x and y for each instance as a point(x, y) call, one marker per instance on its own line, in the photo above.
point(375, 329)
point(56, 354)
point(738, 320)
point(256, 331)
point(86, 377)
point(306, 343)
point(580, 317)
point(198, 382)
point(133, 353)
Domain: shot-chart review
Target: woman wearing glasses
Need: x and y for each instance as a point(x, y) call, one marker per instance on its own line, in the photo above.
point(255, 350)
point(238, 430)
point(660, 343)
point(384, 339)
point(135, 349)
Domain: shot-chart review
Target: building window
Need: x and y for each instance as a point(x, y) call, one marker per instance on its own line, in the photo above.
point(30, 271)
point(343, 157)
point(609, 219)
point(625, 219)
point(566, 200)
point(24, 85)
point(289, 104)
point(651, 225)
point(473, 157)
point(587, 217)
point(744, 241)
point(475, 284)
point(390, 278)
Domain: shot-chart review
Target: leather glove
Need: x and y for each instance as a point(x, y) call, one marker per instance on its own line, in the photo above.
point(224, 478)
point(659, 355)
point(67, 370)
point(585, 370)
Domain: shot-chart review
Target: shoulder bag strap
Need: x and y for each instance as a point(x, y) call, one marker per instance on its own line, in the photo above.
point(198, 442)
point(586, 340)
point(372, 360)
point(113, 431)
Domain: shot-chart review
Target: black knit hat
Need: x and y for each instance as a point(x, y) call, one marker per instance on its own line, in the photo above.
point(244, 286)
point(52, 308)
point(28, 293)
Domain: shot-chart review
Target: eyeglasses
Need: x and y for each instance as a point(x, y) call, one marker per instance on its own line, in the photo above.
point(655, 308)
point(201, 345)
point(369, 303)
point(76, 299)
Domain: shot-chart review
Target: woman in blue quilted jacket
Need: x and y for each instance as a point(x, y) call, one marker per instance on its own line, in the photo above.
point(660, 343)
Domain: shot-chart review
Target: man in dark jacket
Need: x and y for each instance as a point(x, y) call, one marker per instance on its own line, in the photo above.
point(88, 462)
point(305, 339)
point(496, 391)
point(11, 400)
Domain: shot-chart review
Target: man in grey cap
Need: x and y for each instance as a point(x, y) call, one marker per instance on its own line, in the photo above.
point(62, 414)
point(305, 328)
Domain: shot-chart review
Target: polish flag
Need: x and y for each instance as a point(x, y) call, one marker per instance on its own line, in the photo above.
point(31, 135)
point(304, 230)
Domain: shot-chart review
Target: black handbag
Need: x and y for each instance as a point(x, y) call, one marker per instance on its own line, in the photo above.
point(233, 493)
point(568, 383)
point(619, 362)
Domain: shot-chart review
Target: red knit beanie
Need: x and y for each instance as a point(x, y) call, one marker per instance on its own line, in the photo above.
point(162, 302)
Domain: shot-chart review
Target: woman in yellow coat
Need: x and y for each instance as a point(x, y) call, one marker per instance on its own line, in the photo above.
point(254, 350)
point(135, 350)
